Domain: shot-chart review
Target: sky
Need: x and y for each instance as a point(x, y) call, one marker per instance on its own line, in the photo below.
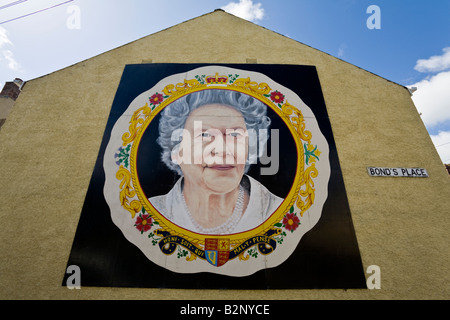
point(404, 41)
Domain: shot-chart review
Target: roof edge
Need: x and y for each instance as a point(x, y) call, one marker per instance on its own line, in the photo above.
point(209, 13)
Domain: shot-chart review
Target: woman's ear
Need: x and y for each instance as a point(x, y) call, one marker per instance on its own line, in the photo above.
point(176, 155)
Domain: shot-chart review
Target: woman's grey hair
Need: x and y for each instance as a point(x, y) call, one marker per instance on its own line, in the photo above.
point(174, 116)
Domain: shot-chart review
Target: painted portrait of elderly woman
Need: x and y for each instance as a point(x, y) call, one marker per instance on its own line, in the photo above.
point(209, 139)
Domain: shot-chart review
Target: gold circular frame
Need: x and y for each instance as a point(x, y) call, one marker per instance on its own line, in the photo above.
point(291, 116)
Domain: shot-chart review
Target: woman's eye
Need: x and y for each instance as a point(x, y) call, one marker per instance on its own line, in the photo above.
point(205, 135)
point(234, 134)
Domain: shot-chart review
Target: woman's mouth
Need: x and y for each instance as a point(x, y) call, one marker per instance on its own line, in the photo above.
point(221, 167)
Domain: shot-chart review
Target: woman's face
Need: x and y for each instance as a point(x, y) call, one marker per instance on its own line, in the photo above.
point(216, 137)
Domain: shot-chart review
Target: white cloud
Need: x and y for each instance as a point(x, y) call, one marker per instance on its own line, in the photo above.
point(4, 40)
point(245, 9)
point(432, 98)
point(442, 143)
point(7, 54)
point(12, 63)
point(434, 63)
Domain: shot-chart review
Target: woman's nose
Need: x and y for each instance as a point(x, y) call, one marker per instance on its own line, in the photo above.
point(218, 145)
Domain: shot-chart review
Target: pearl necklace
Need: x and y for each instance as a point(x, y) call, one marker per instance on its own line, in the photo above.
point(228, 226)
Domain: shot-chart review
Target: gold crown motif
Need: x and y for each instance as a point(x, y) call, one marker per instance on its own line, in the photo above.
point(217, 79)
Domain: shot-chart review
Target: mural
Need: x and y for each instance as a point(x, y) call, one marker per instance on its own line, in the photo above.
point(215, 176)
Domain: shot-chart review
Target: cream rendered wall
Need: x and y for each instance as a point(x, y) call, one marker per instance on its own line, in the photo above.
point(6, 104)
point(49, 145)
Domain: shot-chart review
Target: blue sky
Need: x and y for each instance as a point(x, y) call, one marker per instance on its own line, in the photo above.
point(411, 47)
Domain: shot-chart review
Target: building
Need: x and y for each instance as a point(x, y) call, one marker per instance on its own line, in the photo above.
point(50, 143)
